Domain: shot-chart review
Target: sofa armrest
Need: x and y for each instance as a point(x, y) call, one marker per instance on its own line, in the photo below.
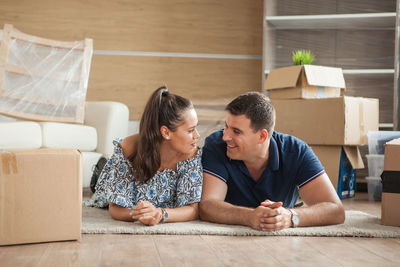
point(110, 120)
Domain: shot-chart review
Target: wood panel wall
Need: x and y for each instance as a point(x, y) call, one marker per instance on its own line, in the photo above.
point(228, 27)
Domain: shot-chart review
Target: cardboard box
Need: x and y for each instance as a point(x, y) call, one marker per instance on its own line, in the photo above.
point(392, 155)
point(340, 163)
point(390, 213)
point(305, 81)
point(329, 121)
point(40, 196)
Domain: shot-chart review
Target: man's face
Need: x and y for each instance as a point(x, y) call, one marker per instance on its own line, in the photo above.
point(242, 142)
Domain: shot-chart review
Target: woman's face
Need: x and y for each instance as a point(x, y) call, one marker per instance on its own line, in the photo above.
point(184, 139)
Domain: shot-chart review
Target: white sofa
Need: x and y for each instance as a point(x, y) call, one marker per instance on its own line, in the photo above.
point(104, 121)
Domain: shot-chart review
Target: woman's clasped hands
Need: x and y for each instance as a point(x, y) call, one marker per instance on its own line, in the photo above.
point(146, 213)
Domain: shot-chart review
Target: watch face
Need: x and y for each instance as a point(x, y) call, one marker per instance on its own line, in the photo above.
point(296, 220)
point(164, 215)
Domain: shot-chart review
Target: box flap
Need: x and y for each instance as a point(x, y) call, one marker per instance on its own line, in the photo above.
point(354, 156)
point(394, 142)
point(283, 78)
point(324, 76)
point(392, 155)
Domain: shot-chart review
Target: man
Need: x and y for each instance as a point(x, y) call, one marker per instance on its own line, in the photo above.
point(253, 176)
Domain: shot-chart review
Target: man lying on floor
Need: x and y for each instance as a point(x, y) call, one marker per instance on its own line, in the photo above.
point(253, 176)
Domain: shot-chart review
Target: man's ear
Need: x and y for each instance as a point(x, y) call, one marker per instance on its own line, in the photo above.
point(164, 132)
point(264, 135)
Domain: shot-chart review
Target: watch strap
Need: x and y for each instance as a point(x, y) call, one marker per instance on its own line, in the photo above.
point(164, 214)
point(294, 218)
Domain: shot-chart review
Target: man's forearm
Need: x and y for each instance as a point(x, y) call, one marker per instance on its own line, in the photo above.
point(325, 213)
point(324, 205)
point(223, 212)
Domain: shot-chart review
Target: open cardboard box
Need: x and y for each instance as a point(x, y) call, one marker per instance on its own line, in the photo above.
point(391, 184)
point(329, 121)
point(340, 163)
point(40, 196)
point(305, 81)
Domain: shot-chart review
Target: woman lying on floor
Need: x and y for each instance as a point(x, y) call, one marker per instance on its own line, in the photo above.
point(156, 175)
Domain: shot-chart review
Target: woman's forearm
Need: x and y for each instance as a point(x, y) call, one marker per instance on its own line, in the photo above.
point(119, 213)
point(181, 214)
point(186, 213)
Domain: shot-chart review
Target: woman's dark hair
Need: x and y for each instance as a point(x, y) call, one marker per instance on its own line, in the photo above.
point(162, 109)
point(257, 107)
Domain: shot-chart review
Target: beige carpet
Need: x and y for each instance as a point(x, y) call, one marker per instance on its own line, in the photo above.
point(357, 224)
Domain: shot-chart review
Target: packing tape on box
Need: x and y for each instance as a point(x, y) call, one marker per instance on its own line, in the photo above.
point(391, 182)
point(320, 92)
point(363, 121)
point(8, 163)
point(8, 166)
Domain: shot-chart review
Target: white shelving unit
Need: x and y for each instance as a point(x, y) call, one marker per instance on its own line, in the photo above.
point(379, 21)
point(334, 21)
point(361, 71)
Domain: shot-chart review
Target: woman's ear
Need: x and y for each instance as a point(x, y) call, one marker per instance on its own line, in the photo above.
point(164, 132)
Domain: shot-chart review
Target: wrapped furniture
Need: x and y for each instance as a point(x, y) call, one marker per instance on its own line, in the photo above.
point(43, 84)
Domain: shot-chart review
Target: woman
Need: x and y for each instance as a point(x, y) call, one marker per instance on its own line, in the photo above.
point(155, 176)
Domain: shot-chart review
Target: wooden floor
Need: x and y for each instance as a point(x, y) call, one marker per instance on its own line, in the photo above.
point(203, 250)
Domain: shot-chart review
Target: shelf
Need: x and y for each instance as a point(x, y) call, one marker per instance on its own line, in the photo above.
point(368, 21)
point(385, 125)
point(362, 71)
point(369, 71)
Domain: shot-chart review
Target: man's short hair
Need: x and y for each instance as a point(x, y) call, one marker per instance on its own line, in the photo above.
point(257, 107)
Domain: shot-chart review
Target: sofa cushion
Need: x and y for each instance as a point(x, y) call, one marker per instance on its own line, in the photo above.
point(20, 135)
point(89, 161)
point(111, 121)
point(68, 136)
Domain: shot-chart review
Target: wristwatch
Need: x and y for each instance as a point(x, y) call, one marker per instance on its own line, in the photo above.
point(164, 214)
point(295, 218)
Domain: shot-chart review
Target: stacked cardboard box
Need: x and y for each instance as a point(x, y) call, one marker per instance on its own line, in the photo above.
point(375, 161)
point(391, 184)
point(309, 106)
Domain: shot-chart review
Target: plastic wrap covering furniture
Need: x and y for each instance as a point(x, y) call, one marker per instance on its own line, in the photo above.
point(89, 161)
point(42, 79)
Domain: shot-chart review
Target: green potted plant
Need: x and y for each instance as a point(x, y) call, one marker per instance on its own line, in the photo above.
point(302, 57)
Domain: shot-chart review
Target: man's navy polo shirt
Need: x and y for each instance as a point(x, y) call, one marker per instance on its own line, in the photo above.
point(291, 165)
